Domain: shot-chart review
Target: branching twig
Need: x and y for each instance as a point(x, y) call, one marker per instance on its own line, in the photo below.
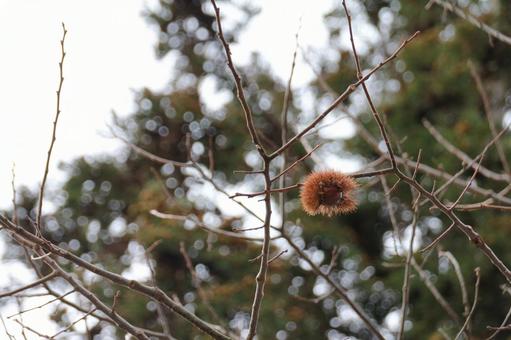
point(339, 291)
point(349, 90)
point(134, 285)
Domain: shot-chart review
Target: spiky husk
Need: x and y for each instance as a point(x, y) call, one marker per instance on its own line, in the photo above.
point(328, 193)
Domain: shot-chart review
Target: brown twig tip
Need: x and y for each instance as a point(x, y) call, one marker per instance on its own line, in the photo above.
point(328, 193)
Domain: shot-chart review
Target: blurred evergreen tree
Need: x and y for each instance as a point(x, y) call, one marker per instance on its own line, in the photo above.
point(103, 208)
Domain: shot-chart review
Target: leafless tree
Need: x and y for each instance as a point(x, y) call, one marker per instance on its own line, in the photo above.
point(391, 162)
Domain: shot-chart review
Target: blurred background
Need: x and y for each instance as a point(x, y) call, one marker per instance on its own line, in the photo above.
point(152, 71)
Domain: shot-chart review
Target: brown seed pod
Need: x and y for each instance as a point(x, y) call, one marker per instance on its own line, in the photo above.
point(328, 193)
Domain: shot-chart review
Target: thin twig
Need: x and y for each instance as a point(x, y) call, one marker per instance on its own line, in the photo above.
point(375, 113)
point(239, 88)
point(283, 134)
point(313, 300)
point(489, 115)
point(501, 327)
point(54, 133)
point(19, 305)
point(265, 252)
point(134, 285)
point(434, 291)
point(260, 193)
point(437, 239)
point(197, 282)
point(278, 255)
point(340, 291)
point(469, 183)
point(477, 206)
point(476, 296)
point(5, 328)
point(422, 274)
point(162, 319)
point(249, 172)
point(298, 161)
point(149, 155)
point(161, 183)
point(71, 325)
point(473, 20)
point(459, 182)
point(41, 305)
point(119, 320)
point(463, 156)
point(14, 205)
point(461, 280)
point(217, 231)
point(31, 285)
point(211, 154)
point(350, 89)
point(393, 221)
point(23, 327)
point(298, 185)
point(406, 280)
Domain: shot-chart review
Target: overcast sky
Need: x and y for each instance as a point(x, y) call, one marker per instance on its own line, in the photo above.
point(110, 53)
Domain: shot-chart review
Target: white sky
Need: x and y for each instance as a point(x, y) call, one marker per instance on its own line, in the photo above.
point(110, 53)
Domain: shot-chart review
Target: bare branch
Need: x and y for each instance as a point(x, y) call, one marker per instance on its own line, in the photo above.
point(350, 89)
point(469, 183)
point(239, 87)
point(14, 205)
point(205, 227)
point(476, 295)
point(5, 328)
point(375, 113)
point(406, 280)
point(489, 115)
point(197, 283)
point(341, 292)
point(473, 20)
point(71, 325)
point(461, 280)
point(298, 161)
point(463, 156)
point(501, 327)
point(30, 285)
point(134, 285)
point(438, 239)
point(54, 133)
